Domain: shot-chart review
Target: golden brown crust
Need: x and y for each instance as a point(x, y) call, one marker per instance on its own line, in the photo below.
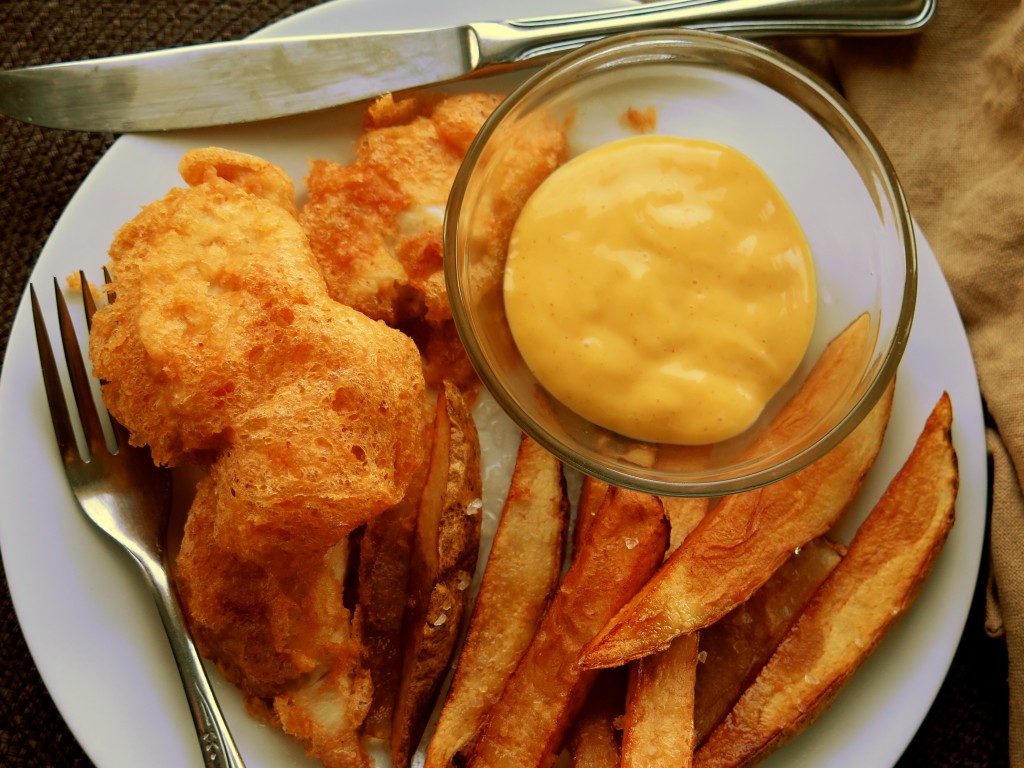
point(622, 548)
point(747, 536)
point(224, 347)
point(220, 305)
point(375, 224)
point(444, 555)
point(523, 569)
point(282, 638)
point(247, 172)
point(734, 648)
point(888, 560)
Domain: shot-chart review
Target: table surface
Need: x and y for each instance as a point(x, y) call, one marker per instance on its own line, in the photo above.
point(40, 170)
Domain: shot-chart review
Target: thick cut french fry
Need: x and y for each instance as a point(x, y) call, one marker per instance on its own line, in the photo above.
point(592, 493)
point(889, 558)
point(594, 740)
point(521, 576)
point(443, 560)
point(658, 725)
point(383, 580)
point(683, 513)
point(623, 546)
point(747, 536)
point(733, 649)
point(658, 722)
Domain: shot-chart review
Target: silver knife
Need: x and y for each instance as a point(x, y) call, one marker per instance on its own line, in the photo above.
point(257, 79)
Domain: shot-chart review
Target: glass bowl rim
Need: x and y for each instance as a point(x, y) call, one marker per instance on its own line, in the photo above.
point(881, 166)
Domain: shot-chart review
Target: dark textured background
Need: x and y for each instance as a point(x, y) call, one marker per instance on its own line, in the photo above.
point(40, 170)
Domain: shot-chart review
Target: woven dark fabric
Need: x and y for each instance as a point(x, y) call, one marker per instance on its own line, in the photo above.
point(39, 172)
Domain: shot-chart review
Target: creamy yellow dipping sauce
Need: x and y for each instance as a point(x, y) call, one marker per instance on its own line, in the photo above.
point(662, 288)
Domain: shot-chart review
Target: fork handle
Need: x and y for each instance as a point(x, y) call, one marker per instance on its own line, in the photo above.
point(218, 747)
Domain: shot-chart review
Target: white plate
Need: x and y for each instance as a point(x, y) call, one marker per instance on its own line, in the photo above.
point(91, 625)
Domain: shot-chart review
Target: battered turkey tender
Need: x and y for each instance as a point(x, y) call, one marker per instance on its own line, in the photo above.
point(375, 224)
point(224, 347)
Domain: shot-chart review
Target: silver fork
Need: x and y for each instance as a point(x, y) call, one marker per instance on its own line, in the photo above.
point(129, 499)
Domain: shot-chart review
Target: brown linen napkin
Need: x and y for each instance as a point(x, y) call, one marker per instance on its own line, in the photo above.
point(948, 106)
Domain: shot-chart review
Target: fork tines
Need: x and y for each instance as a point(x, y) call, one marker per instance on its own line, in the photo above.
point(92, 427)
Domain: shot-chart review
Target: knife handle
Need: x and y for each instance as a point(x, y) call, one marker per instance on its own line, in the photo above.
point(530, 41)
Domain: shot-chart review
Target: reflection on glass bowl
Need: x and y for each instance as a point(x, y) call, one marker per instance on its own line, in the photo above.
point(699, 85)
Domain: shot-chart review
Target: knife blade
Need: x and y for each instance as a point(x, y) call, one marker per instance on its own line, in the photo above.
point(258, 79)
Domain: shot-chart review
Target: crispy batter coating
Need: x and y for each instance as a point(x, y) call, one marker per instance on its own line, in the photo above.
point(224, 347)
point(255, 340)
point(210, 280)
point(282, 635)
point(375, 224)
point(223, 332)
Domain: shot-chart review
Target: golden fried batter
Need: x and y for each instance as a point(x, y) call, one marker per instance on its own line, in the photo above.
point(210, 280)
point(282, 635)
point(224, 346)
point(223, 323)
point(254, 340)
point(375, 224)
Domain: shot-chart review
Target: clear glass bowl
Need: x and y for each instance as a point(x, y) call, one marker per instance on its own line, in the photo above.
point(821, 156)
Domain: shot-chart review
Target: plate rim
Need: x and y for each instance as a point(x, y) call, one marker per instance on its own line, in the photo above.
point(19, 346)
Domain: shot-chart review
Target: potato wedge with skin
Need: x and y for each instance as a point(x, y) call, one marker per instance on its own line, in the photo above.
point(748, 536)
point(594, 740)
point(734, 648)
point(444, 554)
point(383, 580)
point(623, 546)
point(683, 513)
point(658, 724)
point(888, 560)
point(658, 721)
point(592, 492)
point(521, 576)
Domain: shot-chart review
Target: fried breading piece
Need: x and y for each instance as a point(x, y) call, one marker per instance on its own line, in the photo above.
point(223, 333)
point(375, 224)
point(223, 345)
point(284, 638)
point(210, 279)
